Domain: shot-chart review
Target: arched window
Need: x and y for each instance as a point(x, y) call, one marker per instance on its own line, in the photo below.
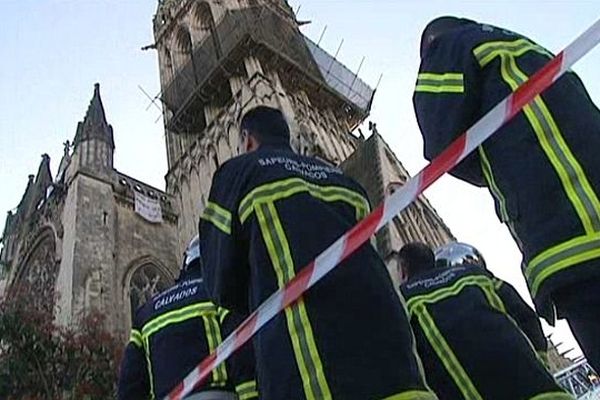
point(146, 281)
point(168, 64)
point(183, 39)
point(205, 21)
point(39, 271)
point(203, 16)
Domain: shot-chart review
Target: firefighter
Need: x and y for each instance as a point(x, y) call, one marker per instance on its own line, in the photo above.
point(541, 167)
point(269, 213)
point(456, 254)
point(466, 324)
point(175, 331)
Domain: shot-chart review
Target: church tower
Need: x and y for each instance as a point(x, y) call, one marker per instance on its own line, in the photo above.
point(94, 144)
point(220, 58)
point(83, 240)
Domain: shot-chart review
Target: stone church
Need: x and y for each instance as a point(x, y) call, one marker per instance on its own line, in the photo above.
point(96, 238)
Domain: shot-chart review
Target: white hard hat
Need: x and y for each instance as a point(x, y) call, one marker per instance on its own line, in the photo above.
point(192, 252)
point(458, 254)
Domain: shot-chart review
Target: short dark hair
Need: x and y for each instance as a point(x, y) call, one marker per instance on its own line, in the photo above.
point(416, 257)
point(266, 124)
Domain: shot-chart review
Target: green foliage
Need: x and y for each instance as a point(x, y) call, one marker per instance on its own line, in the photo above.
point(41, 360)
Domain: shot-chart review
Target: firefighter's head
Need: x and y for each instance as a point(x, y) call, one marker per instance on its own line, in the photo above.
point(415, 258)
point(458, 254)
point(191, 256)
point(437, 28)
point(263, 125)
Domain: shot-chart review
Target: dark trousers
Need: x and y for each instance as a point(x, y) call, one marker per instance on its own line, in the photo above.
point(580, 306)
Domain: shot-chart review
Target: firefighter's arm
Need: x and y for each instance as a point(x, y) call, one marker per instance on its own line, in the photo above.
point(446, 103)
point(224, 253)
point(523, 315)
point(241, 366)
point(134, 383)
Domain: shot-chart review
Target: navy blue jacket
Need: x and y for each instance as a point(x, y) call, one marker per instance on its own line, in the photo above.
point(270, 212)
point(476, 337)
point(542, 167)
point(174, 332)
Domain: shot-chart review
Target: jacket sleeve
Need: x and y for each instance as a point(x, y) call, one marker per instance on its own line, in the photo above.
point(134, 383)
point(523, 315)
point(446, 102)
point(241, 366)
point(224, 253)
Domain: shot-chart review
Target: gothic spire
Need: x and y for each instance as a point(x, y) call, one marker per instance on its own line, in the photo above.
point(94, 125)
point(27, 196)
point(43, 180)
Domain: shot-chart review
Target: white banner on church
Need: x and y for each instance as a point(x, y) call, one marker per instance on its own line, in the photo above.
point(147, 207)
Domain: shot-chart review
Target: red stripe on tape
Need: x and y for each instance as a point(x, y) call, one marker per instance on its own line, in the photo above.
point(176, 393)
point(298, 285)
point(535, 85)
point(245, 330)
point(361, 232)
point(443, 163)
point(205, 367)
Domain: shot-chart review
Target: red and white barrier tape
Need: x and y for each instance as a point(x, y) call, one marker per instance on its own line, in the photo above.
point(361, 232)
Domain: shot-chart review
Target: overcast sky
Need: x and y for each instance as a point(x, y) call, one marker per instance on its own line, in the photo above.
point(54, 51)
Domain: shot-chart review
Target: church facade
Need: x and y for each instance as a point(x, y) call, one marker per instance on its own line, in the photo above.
point(95, 238)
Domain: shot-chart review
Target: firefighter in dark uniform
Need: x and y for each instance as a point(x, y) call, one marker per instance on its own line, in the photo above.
point(270, 212)
point(476, 336)
point(542, 167)
point(175, 331)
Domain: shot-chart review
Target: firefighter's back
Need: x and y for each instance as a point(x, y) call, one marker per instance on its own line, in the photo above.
point(469, 346)
point(348, 337)
point(179, 328)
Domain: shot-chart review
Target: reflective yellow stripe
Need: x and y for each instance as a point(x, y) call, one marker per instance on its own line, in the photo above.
point(136, 338)
point(492, 297)
point(223, 312)
point(440, 294)
point(445, 354)
point(449, 82)
point(571, 175)
point(305, 350)
point(426, 88)
point(560, 257)
point(448, 76)
point(414, 346)
point(176, 316)
point(486, 167)
point(553, 396)
point(486, 52)
point(285, 188)
point(573, 179)
point(498, 284)
point(213, 338)
point(218, 216)
point(149, 367)
point(413, 395)
point(247, 390)
point(208, 312)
